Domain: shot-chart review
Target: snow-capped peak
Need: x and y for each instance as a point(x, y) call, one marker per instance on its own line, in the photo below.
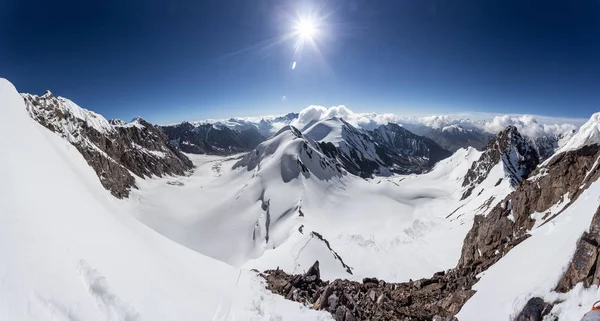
point(327, 130)
point(453, 128)
point(589, 134)
point(64, 115)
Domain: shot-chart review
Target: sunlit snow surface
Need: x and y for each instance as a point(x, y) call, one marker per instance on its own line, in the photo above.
point(393, 228)
point(70, 252)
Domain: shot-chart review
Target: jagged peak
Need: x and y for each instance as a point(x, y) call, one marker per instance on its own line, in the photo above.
point(63, 112)
point(116, 122)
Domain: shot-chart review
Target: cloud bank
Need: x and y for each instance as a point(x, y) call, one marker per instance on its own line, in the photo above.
point(533, 126)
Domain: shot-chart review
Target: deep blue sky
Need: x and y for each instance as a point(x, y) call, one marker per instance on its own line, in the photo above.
point(174, 60)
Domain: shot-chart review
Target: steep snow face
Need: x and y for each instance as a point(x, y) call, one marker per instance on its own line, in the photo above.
point(352, 147)
point(328, 130)
point(289, 153)
point(534, 267)
point(588, 134)
point(386, 150)
point(72, 253)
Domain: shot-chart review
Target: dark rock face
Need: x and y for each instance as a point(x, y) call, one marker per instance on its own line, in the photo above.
point(112, 149)
point(491, 237)
point(509, 222)
point(516, 153)
point(535, 310)
point(388, 149)
point(455, 137)
point(545, 146)
point(438, 298)
point(211, 139)
point(402, 142)
point(584, 265)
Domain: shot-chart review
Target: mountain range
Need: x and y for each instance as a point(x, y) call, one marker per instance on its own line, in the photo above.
point(290, 218)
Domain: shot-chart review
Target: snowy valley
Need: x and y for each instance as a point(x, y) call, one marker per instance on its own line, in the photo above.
point(224, 220)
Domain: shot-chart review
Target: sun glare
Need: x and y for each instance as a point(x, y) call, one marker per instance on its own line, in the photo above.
point(306, 29)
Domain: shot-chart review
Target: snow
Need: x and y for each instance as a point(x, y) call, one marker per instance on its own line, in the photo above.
point(68, 109)
point(156, 153)
point(91, 119)
point(72, 252)
point(453, 128)
point(574, 304)
point(534, 267)
point(328, 130)
point(229, 205)
point(588, 134)
point(528, 125)
point(136, 122)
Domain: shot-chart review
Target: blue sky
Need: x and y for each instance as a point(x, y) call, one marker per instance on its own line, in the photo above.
point(174, 60)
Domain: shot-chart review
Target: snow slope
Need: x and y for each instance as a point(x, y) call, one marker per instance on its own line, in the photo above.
point(286, 205)
point(70, 252)
point(534, 267)
point(588, 134)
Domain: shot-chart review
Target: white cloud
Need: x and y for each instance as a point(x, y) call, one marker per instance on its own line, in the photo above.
point(492, 123)
point(527, 125)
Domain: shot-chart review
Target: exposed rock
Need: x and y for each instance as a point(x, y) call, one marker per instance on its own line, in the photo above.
point(385, 150)
point(212, 139)
point(314, 270)
point(509, 222)
point(454, 137)
point(535, 310)
point(492, 236)
point(396, 138)
point(516, 153)
point(584, 265)
point(441, 296)
point(113, 149)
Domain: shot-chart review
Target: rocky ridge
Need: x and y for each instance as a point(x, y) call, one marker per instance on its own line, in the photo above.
point(387, 149)
point(212, 139)
point(537, 200)
point(115, 150)
point(517, 155)
point(454, 137)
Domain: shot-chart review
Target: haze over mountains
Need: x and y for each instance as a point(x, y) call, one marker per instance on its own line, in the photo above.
point(429, 218)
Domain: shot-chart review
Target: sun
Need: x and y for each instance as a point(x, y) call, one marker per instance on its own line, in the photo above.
point(306, 29)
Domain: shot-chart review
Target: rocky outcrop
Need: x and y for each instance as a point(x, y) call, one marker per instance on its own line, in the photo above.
point(437, 298)
point(535, 310)
point(399, 142)
point(454, 137)
point(212, 139)
point(113, 149)
point(584, 266)
point(517, 155)
point(386, 150)
point(562, 179)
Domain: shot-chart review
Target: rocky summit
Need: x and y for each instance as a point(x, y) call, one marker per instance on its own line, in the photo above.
point(115, 150)
point(516, 153)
